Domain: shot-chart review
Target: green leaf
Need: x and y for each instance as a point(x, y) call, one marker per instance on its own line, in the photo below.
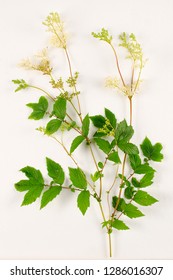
point(135, 183)
point(76, 142)
point(98, 121)
point(100, 164)
point(129, 209)
point(103, 145)
point(132, 211)
point(34, 185)
point(135, 161)
point(59, 108)
point(114, 157)
point(21, 84)
point(113, 143)
point(99, 134)
point(55, 171)
point(96, 176)
point(128, 148)
point(78, 178)
point(111, 117)
point(52, 126)
point(128, 193)
point(85, 125)
point(152, 152)
point(105, 223)
point(49, 195)
point(121, 204)
point(147, 180)
point(32, 194)
point(71, 125)
point(24, 185)
point(120, 225)
point(156, 154)
point(147, 147)
point(83, 201)
point(144, 199)
point(143, 169)
point(125, 180)
point(123, 133)
point(33, 174)
point(39, 109)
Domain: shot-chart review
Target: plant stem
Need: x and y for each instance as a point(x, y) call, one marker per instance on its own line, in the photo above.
point(75, 109)
point(71, 74)
point(70, 69)
point(92, 153)
point(38, 88)
point(115, 178)
point(132, 77)
point(120, 191)
point(131, 109)
point(110, 245)
point(117, 63)
point(72, 159)
point(53, 137)
point(104, 219)
point(139, 75)
point(68, 188)
point(123, 166)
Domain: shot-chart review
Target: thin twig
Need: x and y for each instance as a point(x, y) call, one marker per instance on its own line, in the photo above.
point(117, 63)
point(38, 88)
point(71, 74)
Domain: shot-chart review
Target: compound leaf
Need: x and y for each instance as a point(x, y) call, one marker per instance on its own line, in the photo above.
point(33, 174)
point(21, 84)
point(152, 152)
point(33, 186)
point(39, 109)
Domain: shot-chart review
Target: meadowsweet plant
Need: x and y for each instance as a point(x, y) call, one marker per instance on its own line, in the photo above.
point(130, 164)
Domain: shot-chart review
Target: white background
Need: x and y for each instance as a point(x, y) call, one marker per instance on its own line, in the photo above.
point(60, 231)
